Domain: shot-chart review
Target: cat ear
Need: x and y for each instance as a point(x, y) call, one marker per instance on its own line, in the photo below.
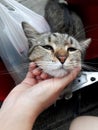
point(85, 44)
point(29, 31)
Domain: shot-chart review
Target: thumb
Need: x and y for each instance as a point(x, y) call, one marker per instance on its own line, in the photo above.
point(63, 82)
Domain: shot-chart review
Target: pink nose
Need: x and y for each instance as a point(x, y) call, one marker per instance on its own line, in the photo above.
point(62, 59)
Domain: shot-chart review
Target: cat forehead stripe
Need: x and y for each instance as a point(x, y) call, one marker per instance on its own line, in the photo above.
point(49, 38)
point(71, 40)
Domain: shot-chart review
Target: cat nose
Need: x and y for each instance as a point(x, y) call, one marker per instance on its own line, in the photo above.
point(62, 59)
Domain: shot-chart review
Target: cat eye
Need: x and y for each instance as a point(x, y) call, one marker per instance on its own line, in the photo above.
point(48, 47)
point(72, 49)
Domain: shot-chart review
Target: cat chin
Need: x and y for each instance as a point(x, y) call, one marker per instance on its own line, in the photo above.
point(58, 73)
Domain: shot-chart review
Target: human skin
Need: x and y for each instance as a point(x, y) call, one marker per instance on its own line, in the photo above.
point(32, 96)
point(84, 123)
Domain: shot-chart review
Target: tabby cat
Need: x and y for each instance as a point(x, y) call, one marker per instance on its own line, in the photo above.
point(55, 53)
point(58, 52)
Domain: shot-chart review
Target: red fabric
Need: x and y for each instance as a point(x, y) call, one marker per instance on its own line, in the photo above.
point(82, 2)
point(6, 82)
point(88, 10)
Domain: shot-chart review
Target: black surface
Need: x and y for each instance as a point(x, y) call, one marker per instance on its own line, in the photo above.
point(84, 102)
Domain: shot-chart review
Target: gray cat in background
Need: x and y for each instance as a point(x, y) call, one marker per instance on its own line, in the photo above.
point(61, 18)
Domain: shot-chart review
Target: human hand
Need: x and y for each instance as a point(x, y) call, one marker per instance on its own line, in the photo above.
point(28, 99)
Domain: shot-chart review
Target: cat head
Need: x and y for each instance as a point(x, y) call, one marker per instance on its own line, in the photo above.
point(57, 54)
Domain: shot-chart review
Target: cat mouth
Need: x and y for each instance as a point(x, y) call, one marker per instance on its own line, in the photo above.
point(62, 71)
point(62, 67)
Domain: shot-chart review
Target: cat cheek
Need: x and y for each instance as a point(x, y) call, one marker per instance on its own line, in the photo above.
point(53, 58)
point(73, 61)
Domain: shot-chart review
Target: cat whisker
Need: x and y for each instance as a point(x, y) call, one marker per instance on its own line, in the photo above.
point(90, 63)
point(87, 29)
point(4, 73)
point(77, 35)
point(15, 69)
point(88, 67)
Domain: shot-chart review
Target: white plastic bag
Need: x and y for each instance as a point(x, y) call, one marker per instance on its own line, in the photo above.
point(21, 13)
point(13, 43)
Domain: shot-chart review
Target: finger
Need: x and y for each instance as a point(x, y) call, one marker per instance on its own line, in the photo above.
point(37, 71)
point(67, 79)
point(44, 75)
point(30, 79)
point(32, 66)
point(29, 82)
